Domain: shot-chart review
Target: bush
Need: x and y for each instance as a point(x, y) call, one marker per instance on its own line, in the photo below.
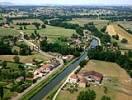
point(124, 40)
point(105, 98)
point(16, 59)
point(115, 36)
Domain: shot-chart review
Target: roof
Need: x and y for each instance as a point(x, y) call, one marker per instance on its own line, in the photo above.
point(74, 76)
point(82, 80)
point(94, 73)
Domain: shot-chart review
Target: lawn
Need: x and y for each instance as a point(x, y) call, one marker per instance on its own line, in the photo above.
point(51, 32)
point(24, 59)
point(114, 29)
point(81, 21)
point(8, 31)
point(118, 86)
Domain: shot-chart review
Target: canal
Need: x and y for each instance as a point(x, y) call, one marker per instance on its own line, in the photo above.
point(53, 83)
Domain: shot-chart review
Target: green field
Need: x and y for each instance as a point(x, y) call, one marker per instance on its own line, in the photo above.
point(81, 21)
point(8, 31)
point(118, 87)
point(25, 59)
point(51, 32)
point(27, 21)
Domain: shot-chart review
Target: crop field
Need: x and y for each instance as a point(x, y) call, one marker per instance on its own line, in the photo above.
point(27, 21)
point(81, 21)
point(114, 29)
point(118, 88)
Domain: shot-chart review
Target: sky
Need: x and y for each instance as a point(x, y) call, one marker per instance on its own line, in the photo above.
point(70, 2)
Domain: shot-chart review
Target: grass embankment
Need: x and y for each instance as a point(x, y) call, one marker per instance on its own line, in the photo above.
point(37, 88)
point(118, 88)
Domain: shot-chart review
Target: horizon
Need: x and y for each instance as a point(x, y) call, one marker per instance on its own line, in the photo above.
point(68, 2)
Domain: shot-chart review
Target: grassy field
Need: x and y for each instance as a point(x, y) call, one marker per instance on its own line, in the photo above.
point(81, 21)
point(51, 32)
point(108, 69)
point(27, 21)
point(8, 31)
point(24, 59)
point(116, 87)
point(114, 29)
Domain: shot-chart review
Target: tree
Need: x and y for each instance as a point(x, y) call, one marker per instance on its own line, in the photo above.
point(16, 59)
point(37, 25)
point(4, 64)
point(103, 29)
point(43, 26)
point(25, 27)
point(116, 36)
point(87, 95)
point(105, 98)
point(21, 28)
point(115, 44)
point(1, 92)
point(79, 30)
point(124, 40)
point(83, 63)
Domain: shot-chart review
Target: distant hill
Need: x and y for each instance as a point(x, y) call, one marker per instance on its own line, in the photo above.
point(6, 4)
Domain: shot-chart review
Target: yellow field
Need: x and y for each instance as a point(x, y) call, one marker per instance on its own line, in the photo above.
point(114, 29)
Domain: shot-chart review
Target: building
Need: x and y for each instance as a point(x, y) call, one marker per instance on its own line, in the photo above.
point(83, 83)
point(92, 76)
point(67, 57)
point(73, 78)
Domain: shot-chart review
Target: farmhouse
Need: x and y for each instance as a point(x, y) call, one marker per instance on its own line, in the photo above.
point(73, 78)
point(82, 82)
point(92, 76)
point(67, 57)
